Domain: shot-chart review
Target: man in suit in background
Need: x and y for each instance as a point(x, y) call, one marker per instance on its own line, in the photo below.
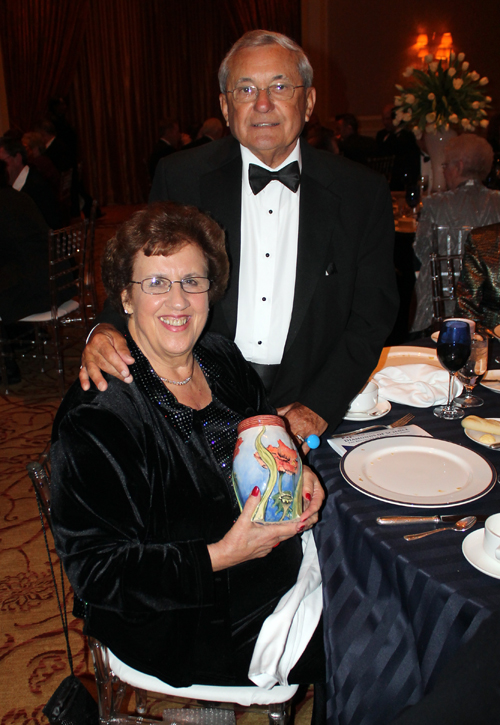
point(168, 143)
point(312, 294)
point(28, 179)
point(211, 130)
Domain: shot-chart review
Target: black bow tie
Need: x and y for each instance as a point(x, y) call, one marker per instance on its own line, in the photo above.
point(259, 177)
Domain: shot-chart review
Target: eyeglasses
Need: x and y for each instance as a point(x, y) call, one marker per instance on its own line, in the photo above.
point(162, 285)
point(276, 91)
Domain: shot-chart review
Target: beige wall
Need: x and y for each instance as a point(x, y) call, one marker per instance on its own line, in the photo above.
point(359, 49)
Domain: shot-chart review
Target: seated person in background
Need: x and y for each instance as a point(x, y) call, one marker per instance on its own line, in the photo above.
point(168, 143)
point(146, 522)
point(467, 202)
point(211, 130)
point(319, 136)
point(350, 142)
point(478, 290)
point(29, 180)
point(400, 143)
point(35, 147)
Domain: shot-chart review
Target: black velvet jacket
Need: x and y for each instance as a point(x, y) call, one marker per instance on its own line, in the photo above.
point(137, 496)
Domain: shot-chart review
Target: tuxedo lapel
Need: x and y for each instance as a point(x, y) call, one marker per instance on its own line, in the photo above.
point(221, 193)
point(318, 222)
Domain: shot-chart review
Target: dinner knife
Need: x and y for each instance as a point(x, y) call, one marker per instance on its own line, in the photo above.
point(437, 519)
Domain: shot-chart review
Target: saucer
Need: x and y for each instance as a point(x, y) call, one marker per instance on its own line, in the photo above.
point(472, 547)
point(381, 409)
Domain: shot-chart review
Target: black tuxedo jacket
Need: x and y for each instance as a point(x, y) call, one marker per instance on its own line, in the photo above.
point(345, 298)
point(42, 193)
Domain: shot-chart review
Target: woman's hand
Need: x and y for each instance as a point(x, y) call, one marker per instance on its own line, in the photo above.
point(247, 540)
point(313, 495)
point(106, 350)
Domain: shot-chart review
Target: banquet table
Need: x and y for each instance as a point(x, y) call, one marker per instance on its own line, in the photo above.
point(395, 611)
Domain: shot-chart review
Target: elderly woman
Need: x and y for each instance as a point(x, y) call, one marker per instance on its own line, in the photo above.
point(177, 581)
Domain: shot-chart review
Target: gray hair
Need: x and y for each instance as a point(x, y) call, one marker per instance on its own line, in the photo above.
point(474, 152)
point(257, 38)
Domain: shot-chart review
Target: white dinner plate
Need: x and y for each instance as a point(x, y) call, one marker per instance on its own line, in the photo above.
point(475, 435)
point(491, 380)
point(418, 471)
point(381, 409)
point(472, 547)
point(406, 355)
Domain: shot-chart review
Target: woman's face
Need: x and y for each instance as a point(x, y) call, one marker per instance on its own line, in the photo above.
point(167, 326)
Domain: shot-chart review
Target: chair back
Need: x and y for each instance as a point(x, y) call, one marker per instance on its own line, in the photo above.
point(383, 164)
point(448, 244)
point(90, 293)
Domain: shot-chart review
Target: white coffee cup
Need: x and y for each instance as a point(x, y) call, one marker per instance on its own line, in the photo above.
point(491, 542)
point(366, 399)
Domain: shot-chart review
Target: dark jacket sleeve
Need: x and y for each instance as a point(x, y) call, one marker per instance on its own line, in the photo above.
point(102, 496)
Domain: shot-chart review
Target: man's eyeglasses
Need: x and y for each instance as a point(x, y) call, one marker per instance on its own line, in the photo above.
point(162, 285)
point(276, 91)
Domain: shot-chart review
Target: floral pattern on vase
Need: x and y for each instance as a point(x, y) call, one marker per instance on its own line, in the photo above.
point(265, 456)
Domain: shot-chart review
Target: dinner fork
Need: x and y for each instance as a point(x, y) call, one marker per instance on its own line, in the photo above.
point(397, 424)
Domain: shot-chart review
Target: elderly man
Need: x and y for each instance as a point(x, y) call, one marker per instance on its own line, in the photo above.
point(467, 203)
point(312, 292)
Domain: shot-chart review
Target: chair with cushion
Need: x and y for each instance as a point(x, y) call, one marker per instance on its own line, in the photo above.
point(115, 679)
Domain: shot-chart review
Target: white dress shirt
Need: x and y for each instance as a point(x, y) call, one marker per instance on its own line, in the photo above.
point(21, 178)
point(268, 261)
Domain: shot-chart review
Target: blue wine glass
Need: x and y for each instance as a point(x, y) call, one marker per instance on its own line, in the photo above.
point(453, 350)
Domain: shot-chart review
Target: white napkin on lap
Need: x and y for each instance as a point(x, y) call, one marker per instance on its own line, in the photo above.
point(285, 634)
point(418, 385)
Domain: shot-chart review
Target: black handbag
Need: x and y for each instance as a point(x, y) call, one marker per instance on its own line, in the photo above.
point(71, 703)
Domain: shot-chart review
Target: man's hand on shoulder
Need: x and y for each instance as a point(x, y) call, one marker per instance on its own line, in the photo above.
point(106, 350)
point(303, 421)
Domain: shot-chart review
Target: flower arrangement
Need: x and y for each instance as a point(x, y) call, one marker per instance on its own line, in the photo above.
point(439, 97)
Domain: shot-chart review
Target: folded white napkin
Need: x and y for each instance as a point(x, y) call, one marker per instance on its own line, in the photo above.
point(286, 632)
point(418, 385)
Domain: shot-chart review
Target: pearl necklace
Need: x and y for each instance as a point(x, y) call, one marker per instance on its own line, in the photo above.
point(178, 382)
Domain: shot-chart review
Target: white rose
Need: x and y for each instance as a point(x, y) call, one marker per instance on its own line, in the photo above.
point(452, 55)
point(428, 58)
point(408, 72)
point(474, 75)
point(484, 123)
point(465, 65)
point(484, 81)
point(398, 101)
point(418, 133)
point(395, 121)
point(488, 99)
point(453, 118)
point(464, 122)
point(399, 115)
point(433, 66)
point(407, 116)
point(457, 83)
point(475, 104)
point(431, 128)
point(452, 72)
point(460, 57)
point(410, 98)
point(400, 88)
point(430, 117)
point(431, 96)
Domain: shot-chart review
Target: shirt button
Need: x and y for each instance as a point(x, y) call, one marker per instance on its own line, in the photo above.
point(267, 254)
point(260, 342)
point(263, 299)
point(270, 211)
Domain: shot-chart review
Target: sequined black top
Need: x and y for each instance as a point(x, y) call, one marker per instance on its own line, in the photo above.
point(140, 488)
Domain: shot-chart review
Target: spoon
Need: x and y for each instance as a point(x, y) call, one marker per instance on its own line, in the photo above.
point(461, 525)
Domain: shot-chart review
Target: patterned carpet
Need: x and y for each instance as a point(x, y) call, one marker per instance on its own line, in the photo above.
point(33, 658)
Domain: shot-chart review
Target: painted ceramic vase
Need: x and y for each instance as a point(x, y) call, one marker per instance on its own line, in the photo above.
point(265, 456)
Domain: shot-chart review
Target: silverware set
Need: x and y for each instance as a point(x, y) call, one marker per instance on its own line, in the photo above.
point(397, 424)
point(461, 523)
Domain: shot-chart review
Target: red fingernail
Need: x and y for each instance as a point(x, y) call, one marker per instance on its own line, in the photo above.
point(301, 528)
point(256, 491)
point(276, 545)
point(307, 496)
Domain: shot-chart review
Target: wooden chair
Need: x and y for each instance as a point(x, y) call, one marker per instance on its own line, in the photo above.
point(115, 679)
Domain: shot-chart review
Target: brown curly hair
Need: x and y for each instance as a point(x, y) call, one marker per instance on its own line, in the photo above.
point(164, 228)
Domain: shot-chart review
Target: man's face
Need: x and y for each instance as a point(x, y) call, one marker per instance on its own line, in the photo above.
point(268, 128)
point(452, 172)
point(14, 164)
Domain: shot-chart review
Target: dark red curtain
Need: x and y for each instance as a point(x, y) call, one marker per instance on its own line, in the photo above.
point(41, 42)
point(127, 65)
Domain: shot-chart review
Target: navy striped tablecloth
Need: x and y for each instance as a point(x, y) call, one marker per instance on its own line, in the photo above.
point(395, 611)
